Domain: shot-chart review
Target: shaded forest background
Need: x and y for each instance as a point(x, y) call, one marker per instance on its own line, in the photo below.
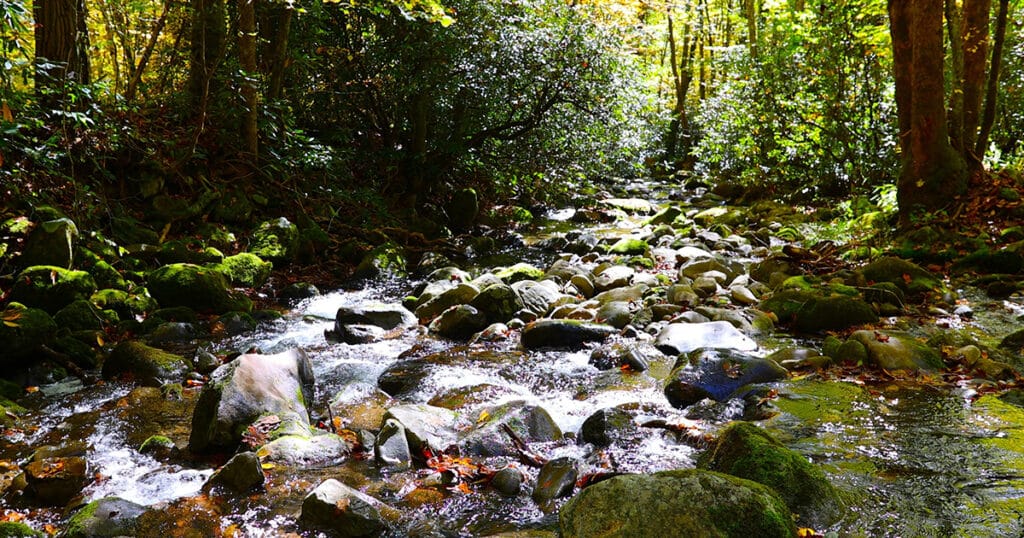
point(376, 112)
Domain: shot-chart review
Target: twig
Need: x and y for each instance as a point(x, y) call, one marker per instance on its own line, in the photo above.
point(526, 455)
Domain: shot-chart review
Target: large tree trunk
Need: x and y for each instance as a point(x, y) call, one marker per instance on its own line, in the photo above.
point(250, 72)
point(992, 92)
point(933, 173)
point(209, 32)
point(62, 44)
point(975, 54)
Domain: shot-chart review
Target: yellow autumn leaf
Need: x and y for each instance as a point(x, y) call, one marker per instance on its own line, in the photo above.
point(267, 466)
point(484, 415)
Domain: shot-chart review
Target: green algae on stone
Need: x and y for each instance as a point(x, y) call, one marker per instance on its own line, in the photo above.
point(910, 277)
point(51, 288)
point(811, 312)
point(747, 451)
point(519, 271)
point(199, 288)
point(686, 502)
point(23, 331)
point(895, 350)
point(149, 365)
point(386, 260)
point(629, 247)
point(14, 529)
point(246, 269)
point(275, 240)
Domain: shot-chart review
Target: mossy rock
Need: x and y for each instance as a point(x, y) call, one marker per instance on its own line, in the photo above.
point(665, 216)
point(50, 243)
point(110, 516)
point(156, 443)
point(463, 209)
point(13, 529)
point(910, 277)
point(51, 288)
point(246, 269)
point(80, 315)
point(986, 260)
point(81, 353)
point(811, 312)
point(276, 240)
point(387, 260)
point(519, 271)
point(106, 276)
point(686, 502)
point(749, 452)
point(199, 288)
point(895, 350)
point(629, 247)
point(23, 330)
point(151, 366)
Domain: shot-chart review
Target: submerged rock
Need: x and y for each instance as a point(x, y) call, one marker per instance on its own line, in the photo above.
point(149, 365)
point(341, 510)
point(55, 481)
point(242, 473)
point(747, 451)
point(563, 333)
point(557, 478)
point(895, 350)
point(719, 374)
point(676, 503)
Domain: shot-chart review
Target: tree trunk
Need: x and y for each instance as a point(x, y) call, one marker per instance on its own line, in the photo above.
point(750, 11)
point(975, 52)
point(209, 32)
point(955, 33)
point(932, 173)
point(62, 44)
point(250, 72)
point(992, 93)
point(158, 28)
point(276, 24)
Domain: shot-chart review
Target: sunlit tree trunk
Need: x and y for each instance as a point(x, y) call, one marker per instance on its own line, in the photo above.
point(992, 91)
point(62, 44)
point(681, 58)
point(933, 173)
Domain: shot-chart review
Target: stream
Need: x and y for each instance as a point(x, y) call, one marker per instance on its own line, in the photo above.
point(912, 458)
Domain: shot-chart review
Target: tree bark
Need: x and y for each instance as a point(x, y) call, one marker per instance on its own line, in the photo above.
point(992, 92)
point(62, 44)
point(974, 38)
point(158, 28)
point(209, 31)
point(250, 72)
point(933, 173)
point(955, 33)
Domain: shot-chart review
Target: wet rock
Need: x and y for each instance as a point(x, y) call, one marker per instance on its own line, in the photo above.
point(297, 291)
point(495, 332)
point(895, 350)
point(342, 511)
point(557, 478)
point(245, 269)
point(275, 240)
point(665, 216)
point(615, 276)
point(358, 334)
point(459, 322)
point(1013, 341)
point(51, 288)
point(562, 333)
point(386, 261)
point(391, 447)
point(498, 303)
point(403, 377)
point(459, 295)
point(742, 295)
point(629, 294)
point(250, 387)
point(747, 451)
point(463, 208)
point(507, 481)
point(19, 530)
point(911, 278)
point(563, 270)
point(678, 338)
point(387, 316)
point(531, 423)
point(607, 426)
point(583, 285)
point(172, 331)
point(810, 312)
point(50, 243)
point(676, 503)
point(425, 426)
point(682, 295)
point(242, 473)
point(634, 356)
point(26, 329)
point(629, 247)
point(199, 288)
point(307, 448)
point(55, 481)
point(618, 314)
point(106, 517)
point(630, 205)
point(726, 270)
point(797, 358)
point(80, 315)
point(234, 323)
point(719, 374)
point(149, 365)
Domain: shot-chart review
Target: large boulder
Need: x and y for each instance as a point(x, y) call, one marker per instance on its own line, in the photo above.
point(498, 303)
point(426, 426)
point(341, 510)
point(149, 365)
point(676, 503)
point(537, 297)
point(106, 517)
point(747, 451)
point(22, 331)
point(51, 288)
point(459, 322)
point(911, 278)
point(275, 240)
point(719, 374)
point(811, 312)
point(248, 388)
point(896, 350)
point(245, 269)
point(242, 473)
point(50, 243)
point(387, 260)
point(531, 423)
point(564, 333)
point(679, 338)
point(199, 288)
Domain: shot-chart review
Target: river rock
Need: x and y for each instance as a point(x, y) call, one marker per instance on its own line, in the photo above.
point(498, 303)
point(618, 314)
point(426, 426)
point(342, 511)
point(383, 261)
point(403, 377)
point(250, 387)
point(391, 447)
point(276, 240)
point(910, 277)
point(563, 333)
point(80, 315)
point(307, 448)
point(200, 288)
point(628, 246)
point(627, 294)
point(106, 517)
point(747, 451)
point(463, 208)
point(537, 297)
point(22, 331)
point(895, 350)
point(615, 276)
point(50, 243)
point(296, 291)
point(386, 316)
point(635, 356)
point(459, 322)
point(507, 481)
point(55, 481)
point(686, 502)
point(459, 295)
point(519, 272)
point(50, 287)
point(149, 365)
point(678, 338)
point(531, 423)
point(557, 478)
point(242, 473)
point(607, 426)
point(246, 269)
point(719, 374)
point(810, 312)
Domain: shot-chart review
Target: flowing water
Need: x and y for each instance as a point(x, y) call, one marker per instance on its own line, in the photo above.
point(912, 458)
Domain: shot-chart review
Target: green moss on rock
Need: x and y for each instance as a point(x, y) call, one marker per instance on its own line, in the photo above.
point(23, 331)
point(151, 366)
point(199, 288)
point(51, 288)
point(246, 269)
